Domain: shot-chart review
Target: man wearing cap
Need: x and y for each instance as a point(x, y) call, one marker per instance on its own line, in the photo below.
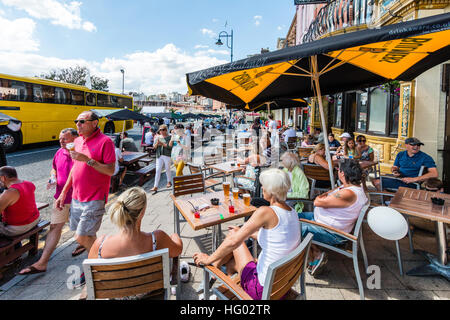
point(290, 132)
point(407, 167)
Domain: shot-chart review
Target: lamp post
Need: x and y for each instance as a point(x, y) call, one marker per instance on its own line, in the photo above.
point(219, 42)
point(123, 80)
point(225, 34)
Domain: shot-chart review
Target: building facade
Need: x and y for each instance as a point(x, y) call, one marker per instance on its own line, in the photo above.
point(390, 113)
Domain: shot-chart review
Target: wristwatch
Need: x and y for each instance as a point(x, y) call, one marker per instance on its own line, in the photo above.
point(90, 162)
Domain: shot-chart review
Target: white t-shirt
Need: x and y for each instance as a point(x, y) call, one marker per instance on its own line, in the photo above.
point(118, 156)
point(289, 133)
point(149, 138)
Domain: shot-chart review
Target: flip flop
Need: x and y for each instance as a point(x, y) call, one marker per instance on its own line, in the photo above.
point(32, 270)
point(79, 250)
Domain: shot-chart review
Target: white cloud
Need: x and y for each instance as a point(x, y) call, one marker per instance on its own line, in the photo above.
point(160, 71)
point(211, 52)
point(201, 46)
point(208, 33)
point(215, 20)
point(17, 35)
point(59, 13)
point(257, 20)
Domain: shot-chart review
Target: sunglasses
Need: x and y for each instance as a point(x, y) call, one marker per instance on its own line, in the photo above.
point(162, 129)
point(82, 121)
point(362, 140)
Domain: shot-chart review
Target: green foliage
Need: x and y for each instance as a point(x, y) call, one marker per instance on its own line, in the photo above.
point(76, 75)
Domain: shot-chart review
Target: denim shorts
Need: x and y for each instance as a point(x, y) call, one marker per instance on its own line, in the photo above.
point(86, 217)
point(320, 234)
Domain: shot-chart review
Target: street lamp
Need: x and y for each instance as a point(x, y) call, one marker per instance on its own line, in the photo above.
point(225, 34)
point(123, 80)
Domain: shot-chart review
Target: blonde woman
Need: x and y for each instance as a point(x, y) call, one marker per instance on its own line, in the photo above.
point(299, 182)
point(276, 228)
point(163, 156)
point(127, 213)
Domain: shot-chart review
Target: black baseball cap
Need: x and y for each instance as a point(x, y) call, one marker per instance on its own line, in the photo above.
point(414, 142)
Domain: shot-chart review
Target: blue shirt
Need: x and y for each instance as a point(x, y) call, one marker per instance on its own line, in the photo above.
point(410, 166)
point(335, 144)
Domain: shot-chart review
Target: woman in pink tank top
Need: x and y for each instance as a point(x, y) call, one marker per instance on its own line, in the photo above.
point(338, 208)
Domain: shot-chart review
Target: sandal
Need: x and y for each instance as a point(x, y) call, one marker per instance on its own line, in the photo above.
point(78, 250)
point(30, 270)
point(318, 264)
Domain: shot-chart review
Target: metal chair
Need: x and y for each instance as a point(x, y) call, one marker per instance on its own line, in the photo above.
point(128, 276)
point(389, 224)
point(418, 185)
point(355, 238)
point(292, 144)
point(281, 276)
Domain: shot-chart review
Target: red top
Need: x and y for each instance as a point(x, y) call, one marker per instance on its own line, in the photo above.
point(24, 211)
point(88, 184)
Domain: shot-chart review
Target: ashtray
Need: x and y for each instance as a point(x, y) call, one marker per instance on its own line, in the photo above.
point(233, 164)
point(215, 201)
point(438, 201)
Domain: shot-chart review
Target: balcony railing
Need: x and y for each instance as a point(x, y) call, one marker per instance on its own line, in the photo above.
point(338, 15)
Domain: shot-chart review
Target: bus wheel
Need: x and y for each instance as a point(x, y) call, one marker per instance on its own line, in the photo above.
point(109, 128)
point(9, 139)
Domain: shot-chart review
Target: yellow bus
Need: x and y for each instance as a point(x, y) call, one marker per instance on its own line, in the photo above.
point(45, 107)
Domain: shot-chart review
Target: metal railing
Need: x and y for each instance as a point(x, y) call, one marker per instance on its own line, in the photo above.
point(338, 15)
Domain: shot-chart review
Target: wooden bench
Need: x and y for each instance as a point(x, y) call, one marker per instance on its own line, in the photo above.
point(145, 173)
point(9, 245)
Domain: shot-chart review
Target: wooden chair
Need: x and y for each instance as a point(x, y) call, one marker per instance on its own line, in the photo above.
point(209, 181)
point(292, 143)
point(147, 273)
point(304, 153)
point(280, 277)
point(315, 173)
point(355, 238)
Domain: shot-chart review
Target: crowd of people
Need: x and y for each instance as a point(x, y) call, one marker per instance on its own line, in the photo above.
point(87, 159)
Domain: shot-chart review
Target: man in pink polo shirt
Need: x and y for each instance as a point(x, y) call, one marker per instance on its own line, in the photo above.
point(62, 164)
point(94, 162)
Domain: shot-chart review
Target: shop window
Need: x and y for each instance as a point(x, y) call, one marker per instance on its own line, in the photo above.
point(338, 111)
point(378, 111)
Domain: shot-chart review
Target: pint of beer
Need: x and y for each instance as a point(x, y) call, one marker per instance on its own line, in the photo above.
point(236, 193)
point(226, 189)
point(70, 146)
point(246, 197)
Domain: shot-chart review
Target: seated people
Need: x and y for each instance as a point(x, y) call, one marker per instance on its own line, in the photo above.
point(407, 167)
point(318, 136)
point(266, 146)
point(128, 143)
point(275, 227)
point(247, 181)
point(299, 183)
point(344, 137)
point(334, 144)
point(338, 208)
point(149, 137)
point(364, 150)
point(349, 150)
point(119, 167)
point(308, 141)
point(17, 204)
point(289, 133)
point(318, 157)
point(127, 214)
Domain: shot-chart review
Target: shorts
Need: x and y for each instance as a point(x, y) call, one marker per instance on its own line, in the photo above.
point(86, 217)
point(58, 217)
point(395, 184)
point(12, 231)
point(319, 234)
point(250, 282)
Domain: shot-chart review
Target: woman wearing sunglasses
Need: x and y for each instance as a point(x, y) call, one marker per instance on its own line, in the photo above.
point(365, 151)
point(163, 156)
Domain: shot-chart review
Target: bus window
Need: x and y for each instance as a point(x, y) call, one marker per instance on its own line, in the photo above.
point(77, 97)
point(90, 99)
point(115, 101)
point(62, 96)
point(37, 93)
point(125, 102)
point(49, 94)
point(103, 100)
point(20, 90)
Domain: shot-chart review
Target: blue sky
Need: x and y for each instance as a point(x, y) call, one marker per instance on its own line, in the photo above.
point(156, 42)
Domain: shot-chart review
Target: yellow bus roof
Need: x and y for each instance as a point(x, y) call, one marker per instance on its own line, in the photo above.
point(58, 84)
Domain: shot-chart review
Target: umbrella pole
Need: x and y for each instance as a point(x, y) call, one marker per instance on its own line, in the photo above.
point(315, 76)
point(121, 140)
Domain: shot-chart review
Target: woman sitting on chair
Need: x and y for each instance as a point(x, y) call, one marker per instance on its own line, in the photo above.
point(127, 214)
point(247, 181)
point(338, 208)
point(276, 228)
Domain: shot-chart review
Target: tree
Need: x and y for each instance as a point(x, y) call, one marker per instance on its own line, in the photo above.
point(76, 75)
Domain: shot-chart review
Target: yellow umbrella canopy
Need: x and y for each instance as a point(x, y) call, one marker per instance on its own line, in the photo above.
point(346, 62)
point(350, 61)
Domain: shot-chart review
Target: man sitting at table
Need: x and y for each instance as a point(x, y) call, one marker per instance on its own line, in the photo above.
point(17, 204)
point(407, 166)
point(128, 143)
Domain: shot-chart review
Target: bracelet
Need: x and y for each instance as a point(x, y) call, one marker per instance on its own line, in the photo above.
point(90, 162)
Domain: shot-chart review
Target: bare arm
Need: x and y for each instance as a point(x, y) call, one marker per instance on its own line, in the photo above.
point(59, 203)
point(106, 169)
point(432, 173)
point(339, 199)
point(8, 198)
point(173, 243)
